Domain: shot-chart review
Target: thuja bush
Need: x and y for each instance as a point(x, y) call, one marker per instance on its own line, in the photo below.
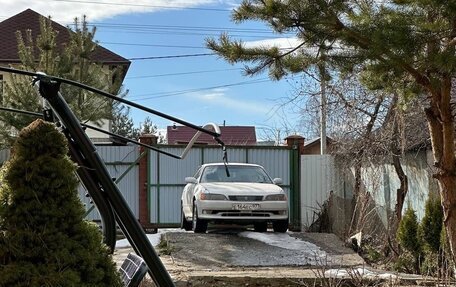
point(44, 239)
point(409, 240)
point(437, 259)
point(424, 244)
point(431, 225)
point(408, 233)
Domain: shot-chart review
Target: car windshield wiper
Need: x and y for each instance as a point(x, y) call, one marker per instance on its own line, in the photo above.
point(225, 156)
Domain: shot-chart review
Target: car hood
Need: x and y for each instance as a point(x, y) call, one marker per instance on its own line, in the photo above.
point(234, 188)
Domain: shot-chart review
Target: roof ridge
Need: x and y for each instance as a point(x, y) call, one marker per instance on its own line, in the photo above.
point(29, 20)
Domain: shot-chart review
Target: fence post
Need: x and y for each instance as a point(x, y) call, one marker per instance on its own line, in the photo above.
point(144, 171)
point(296, 143)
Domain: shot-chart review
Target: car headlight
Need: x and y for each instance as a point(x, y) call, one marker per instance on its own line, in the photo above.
point(276, 197)
point(212, 196)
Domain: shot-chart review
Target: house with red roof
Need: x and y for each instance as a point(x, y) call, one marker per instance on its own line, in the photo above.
point(231, 135)
point(30, 20)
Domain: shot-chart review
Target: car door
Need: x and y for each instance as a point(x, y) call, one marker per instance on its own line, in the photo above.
point(189, 190)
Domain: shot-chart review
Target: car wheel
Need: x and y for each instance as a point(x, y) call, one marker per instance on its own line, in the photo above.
point(198, 225)
point(260, 226)
point(185, 224)
point(280, 226)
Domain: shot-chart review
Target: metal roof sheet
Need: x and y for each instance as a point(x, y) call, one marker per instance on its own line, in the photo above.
point(30, 20)
point(231, 135)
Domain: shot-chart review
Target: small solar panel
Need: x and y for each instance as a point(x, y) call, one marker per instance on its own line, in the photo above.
point(133, 270)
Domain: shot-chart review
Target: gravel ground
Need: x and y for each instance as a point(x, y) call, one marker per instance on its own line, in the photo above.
point(233, 257)
point(228, 257)
point(230, 248)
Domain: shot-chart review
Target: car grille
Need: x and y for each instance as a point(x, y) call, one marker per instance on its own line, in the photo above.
point(247, 214)
point(238, 213)
point(246, 197)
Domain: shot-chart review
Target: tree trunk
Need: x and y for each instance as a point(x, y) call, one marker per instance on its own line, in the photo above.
point(356, 201)
point(441, 128)
point(447, 186)
point(401, 192)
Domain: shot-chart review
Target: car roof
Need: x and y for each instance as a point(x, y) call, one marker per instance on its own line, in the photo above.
point(231, 163)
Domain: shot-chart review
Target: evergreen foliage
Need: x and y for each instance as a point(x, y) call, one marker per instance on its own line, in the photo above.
point(44, 240)
point(432, 223)
point(73, 61)
point(148, 127)
point(406, 47)
point(409, 239)
point(408, 233)
point(122, 123)
point(390, 39)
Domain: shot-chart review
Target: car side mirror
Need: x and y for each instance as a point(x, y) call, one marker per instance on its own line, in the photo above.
point(191, 179)
point(277, 180)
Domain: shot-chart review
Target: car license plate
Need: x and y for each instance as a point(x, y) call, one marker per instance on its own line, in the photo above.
point(246, 206)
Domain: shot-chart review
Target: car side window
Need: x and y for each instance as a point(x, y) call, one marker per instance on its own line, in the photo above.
point(198, 173)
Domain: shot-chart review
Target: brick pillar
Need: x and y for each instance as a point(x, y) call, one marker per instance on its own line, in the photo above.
point(143, 176)
point(295, 140)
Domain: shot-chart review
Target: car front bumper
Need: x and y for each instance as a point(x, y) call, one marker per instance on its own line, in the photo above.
point(219, 211)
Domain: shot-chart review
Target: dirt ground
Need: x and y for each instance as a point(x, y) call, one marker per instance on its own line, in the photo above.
point(230, 258)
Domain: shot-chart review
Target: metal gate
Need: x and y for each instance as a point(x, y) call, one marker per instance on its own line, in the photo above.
point(167, 176)
point(319, 178)
point(122, 165)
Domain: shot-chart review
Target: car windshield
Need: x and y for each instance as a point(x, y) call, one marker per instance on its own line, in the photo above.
point(238, 173)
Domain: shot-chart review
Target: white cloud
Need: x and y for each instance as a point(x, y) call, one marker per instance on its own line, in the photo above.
point(281, 43)
point(65, 11)
point(218, 97)
point(293, 42)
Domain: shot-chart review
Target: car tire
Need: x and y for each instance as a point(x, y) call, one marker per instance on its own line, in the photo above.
point(185, 224)
point(260, 226)
point(280, 226)
point(198, 225)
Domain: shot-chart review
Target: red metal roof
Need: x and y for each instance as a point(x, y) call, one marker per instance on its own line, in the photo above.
point(231, 135)
point(30, 20)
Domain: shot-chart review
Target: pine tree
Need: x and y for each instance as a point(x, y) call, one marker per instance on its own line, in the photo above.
point(148, 127)
point(404, 46)
point(44, 240)
point(122, 123)
point(73, 61)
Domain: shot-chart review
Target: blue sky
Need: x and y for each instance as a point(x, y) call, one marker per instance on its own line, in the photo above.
point(141, 29)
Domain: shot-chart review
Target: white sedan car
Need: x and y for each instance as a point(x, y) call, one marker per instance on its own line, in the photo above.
point(237, 193)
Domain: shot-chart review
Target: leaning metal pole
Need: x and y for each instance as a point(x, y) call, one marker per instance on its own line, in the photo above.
point(99, 197)
point(131, 228)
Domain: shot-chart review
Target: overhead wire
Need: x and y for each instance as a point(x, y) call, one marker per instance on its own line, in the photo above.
point(157, 95)
point(187, 30)
point(152, 45)
point(142, 5)
point(179, 27)
point(193, 34)
point(181, 73)
point(170, 56)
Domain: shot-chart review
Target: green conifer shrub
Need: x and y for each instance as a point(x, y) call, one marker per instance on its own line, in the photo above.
point(409, 239)
point(408, 233)
point(432, 223)
point(44, 240)
point(431, 234)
